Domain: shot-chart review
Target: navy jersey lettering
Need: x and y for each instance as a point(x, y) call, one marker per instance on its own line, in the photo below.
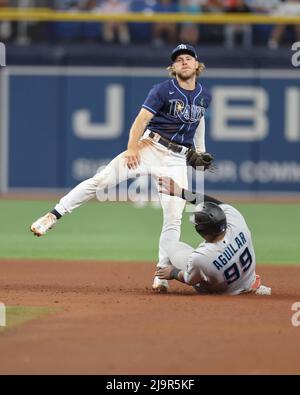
point(177, 111)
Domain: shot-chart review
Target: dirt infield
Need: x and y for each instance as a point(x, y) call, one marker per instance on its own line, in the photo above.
point(111, 323)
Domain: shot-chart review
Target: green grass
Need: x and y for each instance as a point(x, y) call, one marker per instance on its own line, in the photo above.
point(18, 315)
point(119, 231)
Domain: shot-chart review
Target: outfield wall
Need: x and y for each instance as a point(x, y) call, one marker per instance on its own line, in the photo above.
point(59, 124)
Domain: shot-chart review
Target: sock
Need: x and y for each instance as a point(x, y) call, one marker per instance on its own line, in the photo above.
point(56, 213)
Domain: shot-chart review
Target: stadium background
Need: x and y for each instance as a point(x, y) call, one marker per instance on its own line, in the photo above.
point(68, 98)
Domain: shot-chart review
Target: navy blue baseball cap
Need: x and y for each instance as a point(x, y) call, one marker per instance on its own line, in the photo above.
point(183, 48)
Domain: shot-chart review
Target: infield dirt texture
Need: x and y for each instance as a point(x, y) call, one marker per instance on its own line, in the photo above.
point(105, 318)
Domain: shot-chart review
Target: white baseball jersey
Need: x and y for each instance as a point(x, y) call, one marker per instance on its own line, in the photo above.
point(227, 266)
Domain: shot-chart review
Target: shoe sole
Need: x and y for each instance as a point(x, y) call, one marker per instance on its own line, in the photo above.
point(263, 290)
point(160, 289)
point(33, 230)
point(36, 233)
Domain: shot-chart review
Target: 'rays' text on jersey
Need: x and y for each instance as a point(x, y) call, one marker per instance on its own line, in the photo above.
point(188, 113)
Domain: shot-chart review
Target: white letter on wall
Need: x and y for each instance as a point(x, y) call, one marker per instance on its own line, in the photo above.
point(114, 110)
point(292, 117)
point(255, 112)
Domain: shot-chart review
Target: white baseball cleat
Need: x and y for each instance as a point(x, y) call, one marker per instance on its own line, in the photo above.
point(41, 225)
point(160, 286)
point(263, 290)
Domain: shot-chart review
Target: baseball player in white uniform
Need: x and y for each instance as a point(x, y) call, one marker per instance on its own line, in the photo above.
point(225, 261)
point(170, 122)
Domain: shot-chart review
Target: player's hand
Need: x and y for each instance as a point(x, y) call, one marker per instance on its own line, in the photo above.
point(168, 186)
point(132, 158)
point(164, 273)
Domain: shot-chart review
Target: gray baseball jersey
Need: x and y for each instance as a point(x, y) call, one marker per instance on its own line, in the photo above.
point(227, 266)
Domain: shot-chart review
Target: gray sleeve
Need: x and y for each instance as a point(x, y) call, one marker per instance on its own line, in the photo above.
point(234, 217)
point(194, 273)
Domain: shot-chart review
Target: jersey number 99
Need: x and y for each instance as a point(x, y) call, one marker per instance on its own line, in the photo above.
point(232, 273)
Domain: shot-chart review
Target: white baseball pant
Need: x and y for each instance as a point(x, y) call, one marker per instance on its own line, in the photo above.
point(155, 160)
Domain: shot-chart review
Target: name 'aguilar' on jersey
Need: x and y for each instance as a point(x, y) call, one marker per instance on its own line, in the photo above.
point(227, 265)
point(177, 111)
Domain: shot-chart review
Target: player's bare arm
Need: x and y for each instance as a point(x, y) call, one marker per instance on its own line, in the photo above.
point(138, 127)
point(170, 273)
point(169, 187)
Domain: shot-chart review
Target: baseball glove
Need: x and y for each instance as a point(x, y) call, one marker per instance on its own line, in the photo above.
point(196, 159)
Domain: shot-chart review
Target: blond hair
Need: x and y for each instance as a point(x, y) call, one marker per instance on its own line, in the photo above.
point(200, 68)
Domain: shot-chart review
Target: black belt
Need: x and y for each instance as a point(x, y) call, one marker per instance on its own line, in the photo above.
point(167, 143)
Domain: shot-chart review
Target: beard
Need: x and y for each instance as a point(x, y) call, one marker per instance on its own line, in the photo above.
point(186, 75)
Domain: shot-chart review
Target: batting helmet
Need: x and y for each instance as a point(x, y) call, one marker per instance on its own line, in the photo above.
point(209, 220)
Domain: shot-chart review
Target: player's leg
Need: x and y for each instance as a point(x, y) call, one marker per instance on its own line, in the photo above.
point(178, 253)
point(172, 213)
point(114, 173)
point(110, 176)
